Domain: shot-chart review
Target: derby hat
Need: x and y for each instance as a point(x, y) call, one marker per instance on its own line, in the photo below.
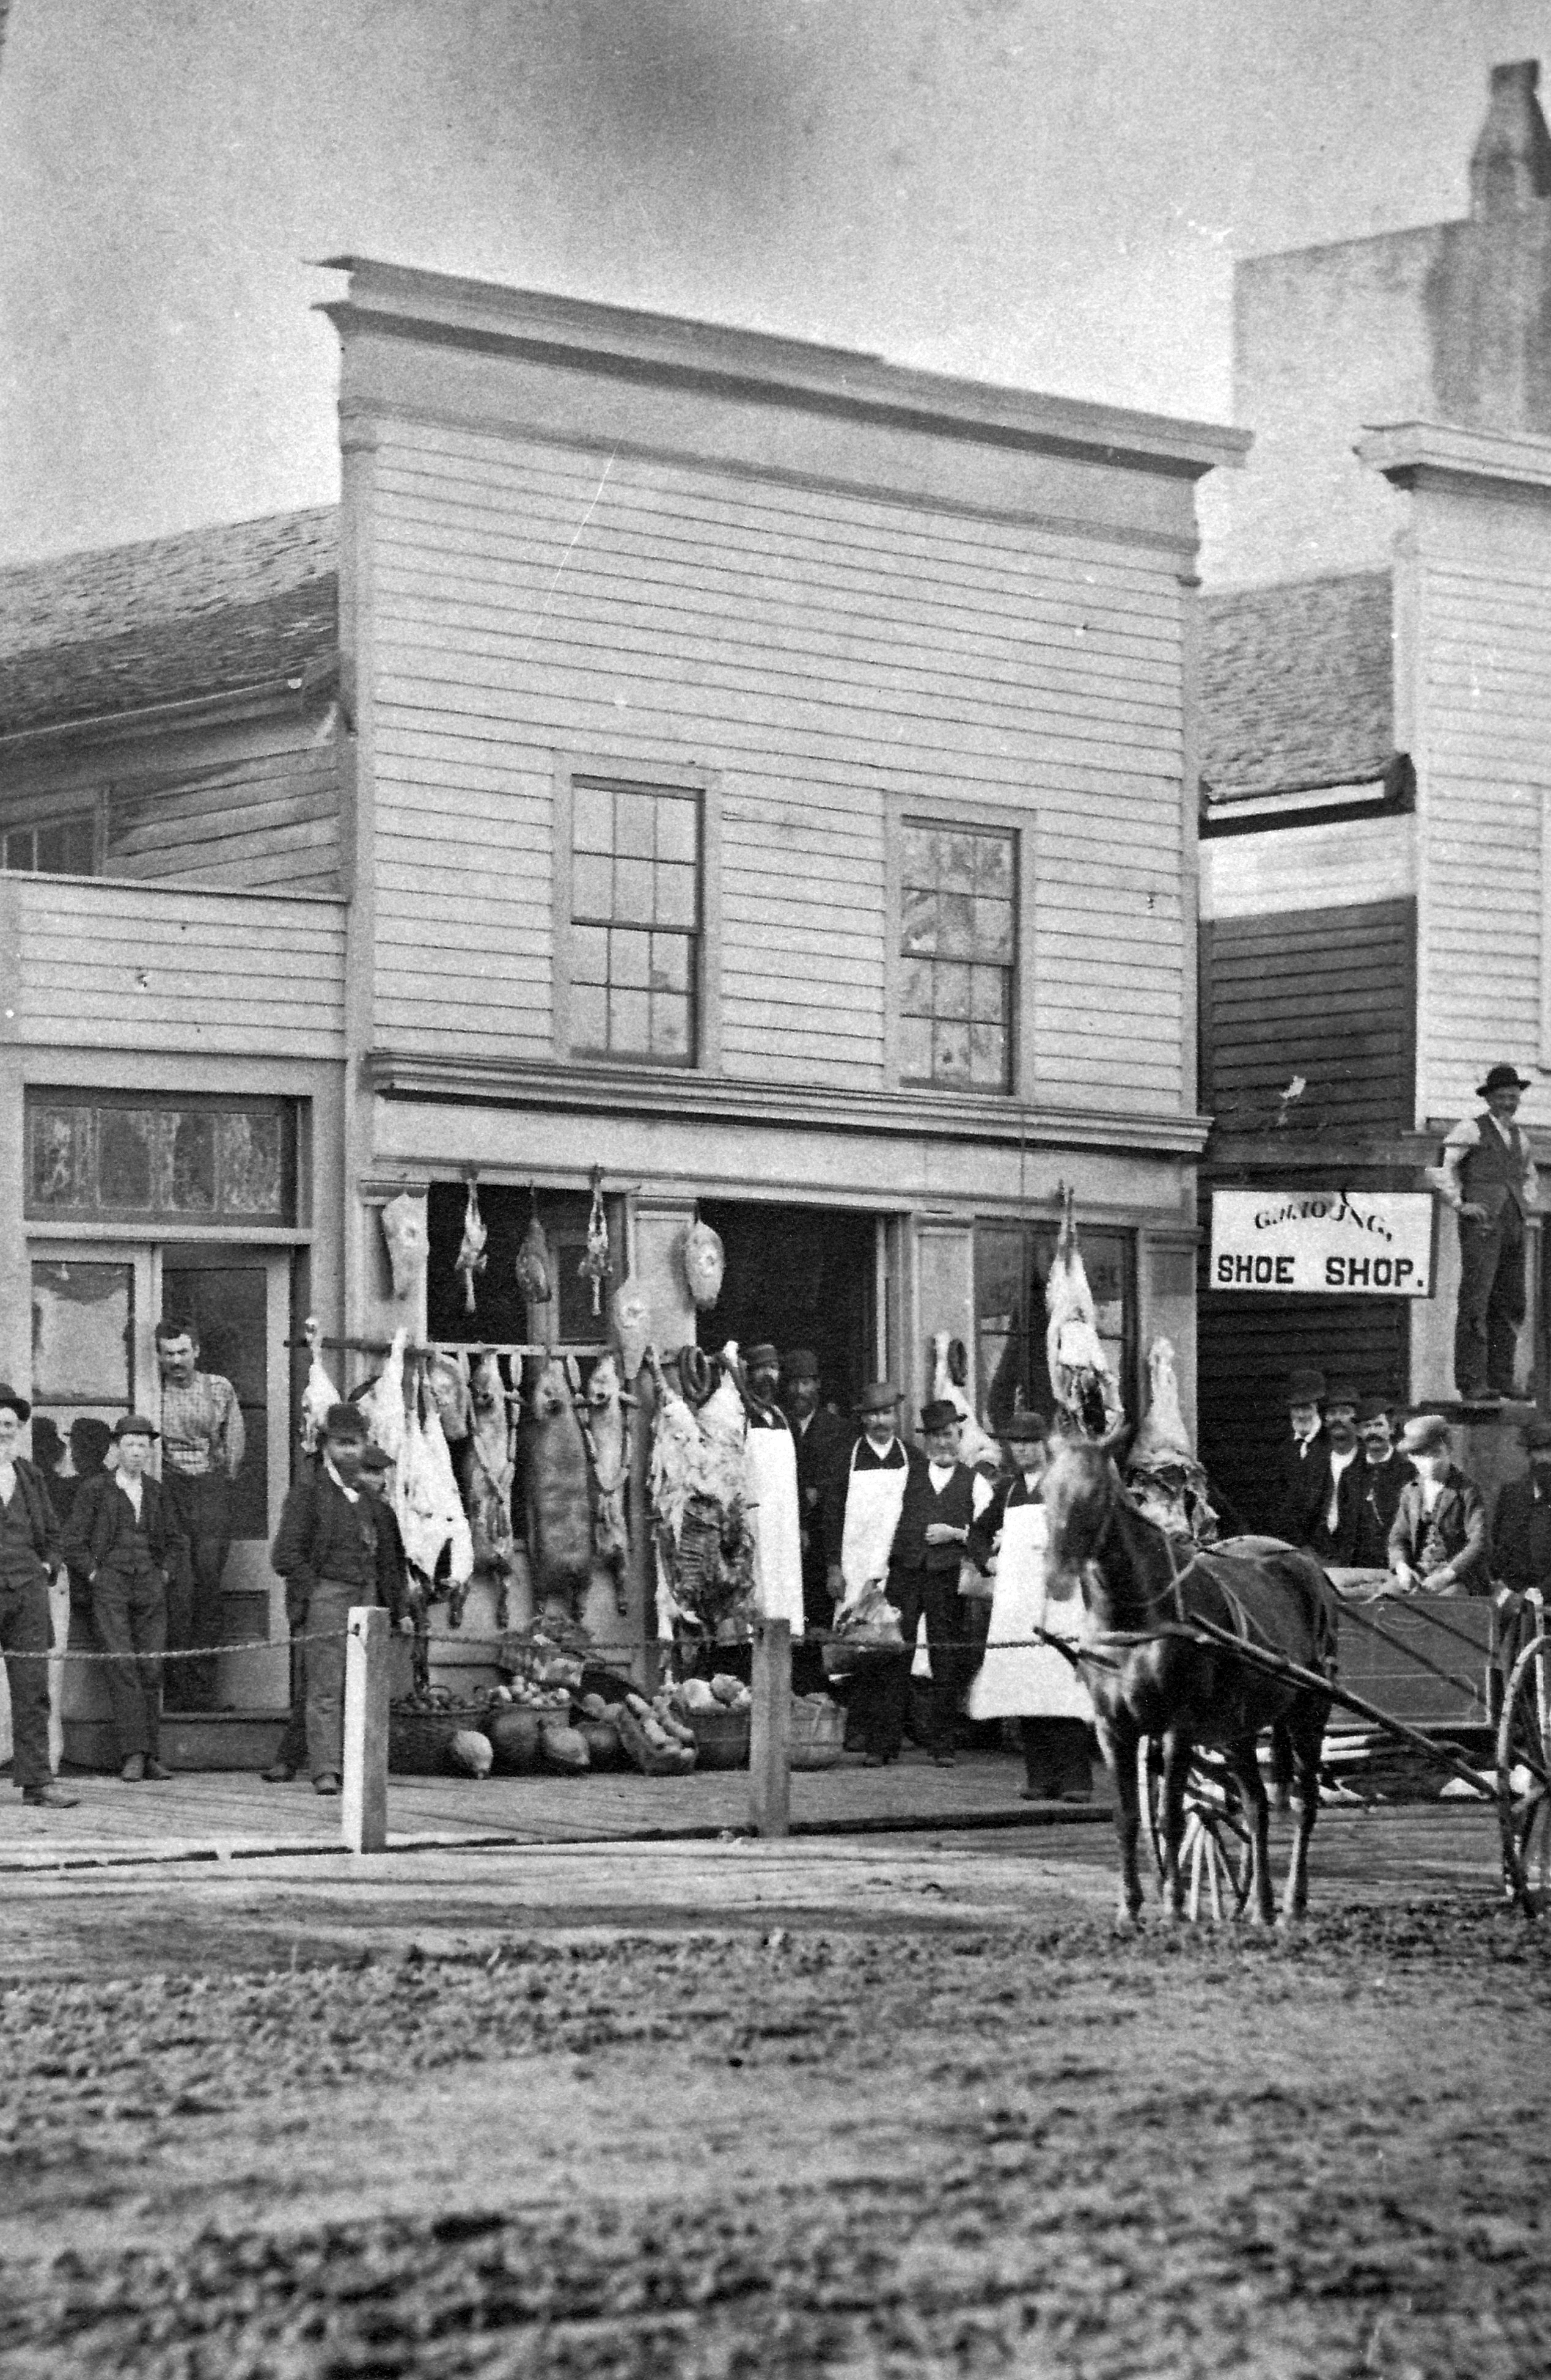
point(1019, 1427)
point(344, 1421)
point(1503, 1078)
point(802, 1364)
point(134, 1425)
point(375, 1460)
point(763, 1351)
point(1537, 1435)
point(942, 1414)
point(19, 1405)
point(1425, 1434)
point(880, 1397)
point(1374, 1409)
point(1341, 1392)
point(1305, 1388)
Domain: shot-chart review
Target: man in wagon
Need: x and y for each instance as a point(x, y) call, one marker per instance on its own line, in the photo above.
point(1439, 1544)
point(1488, 1177)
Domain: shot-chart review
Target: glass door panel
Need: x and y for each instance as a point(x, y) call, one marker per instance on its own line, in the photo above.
point(228, 1307)
point(89, 1317)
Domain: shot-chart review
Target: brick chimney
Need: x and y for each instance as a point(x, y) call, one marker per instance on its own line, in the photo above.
point(1511, 166)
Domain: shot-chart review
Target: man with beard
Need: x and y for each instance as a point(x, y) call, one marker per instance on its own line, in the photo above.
point(1294, 1480)
point(1385, 1473)
point(1331, 1516)
point(203, 1446)
point(772, 1457)
point(823, 1442)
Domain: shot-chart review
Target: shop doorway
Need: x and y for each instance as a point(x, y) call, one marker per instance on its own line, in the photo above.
point(805, 1276)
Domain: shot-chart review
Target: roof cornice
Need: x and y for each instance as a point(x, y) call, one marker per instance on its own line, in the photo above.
point(758, 366)
point(1413, 454)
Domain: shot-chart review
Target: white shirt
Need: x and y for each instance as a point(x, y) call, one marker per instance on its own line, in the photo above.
point(1340, 1463)
point(1431, 1490)
point(1465, 1137)
point(134, 1490)
point(940, 1473)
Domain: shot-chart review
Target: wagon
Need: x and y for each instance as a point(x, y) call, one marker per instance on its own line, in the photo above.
point(1423, 1682)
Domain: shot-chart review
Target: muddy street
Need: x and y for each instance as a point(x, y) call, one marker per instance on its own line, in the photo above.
point(874, 2128)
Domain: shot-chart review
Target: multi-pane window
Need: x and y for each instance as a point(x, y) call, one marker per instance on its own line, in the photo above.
point(635, 921)
point(957, 944)
point(64, 848)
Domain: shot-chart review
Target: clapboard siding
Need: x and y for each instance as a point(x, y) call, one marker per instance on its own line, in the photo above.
point(1482, 673)
point(268, 817)
point(821, 657)
point(146, 968)
point(1325, 993)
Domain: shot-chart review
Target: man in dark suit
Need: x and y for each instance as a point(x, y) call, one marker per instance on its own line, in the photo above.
point(824, 1441)
point(1293, 1486)
point(125, 1539)
point(1438, 1543)
point(1384, 1472)
point(1521, 1545)
point(1333, 1506)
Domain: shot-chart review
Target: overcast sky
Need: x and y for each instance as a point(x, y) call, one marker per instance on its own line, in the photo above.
point(1048, 192)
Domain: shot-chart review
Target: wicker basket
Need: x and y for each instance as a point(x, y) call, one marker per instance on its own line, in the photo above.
point(721, 1738)
point(418, 1739)
point(818, 1733)
point(639, 1749)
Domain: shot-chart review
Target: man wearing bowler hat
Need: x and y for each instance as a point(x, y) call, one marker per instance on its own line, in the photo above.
point(1438, 1544)
point(1521, 1545)
point(1331, 1516)
point(29, 1557)
point(1386, 1472)
point(124, 1539)
point(1293, 1488)
point(1488, 1177)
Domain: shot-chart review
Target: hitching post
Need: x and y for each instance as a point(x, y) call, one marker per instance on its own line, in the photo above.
point(363, 1809)
point(769, 1734)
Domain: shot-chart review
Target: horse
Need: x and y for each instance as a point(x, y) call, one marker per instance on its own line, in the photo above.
point(1152, 1677)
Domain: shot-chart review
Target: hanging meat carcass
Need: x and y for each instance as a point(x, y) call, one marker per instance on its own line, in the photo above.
point(608, 1442)
point(471, 1258)
point(1081, 1380)
point(559, 1505)
point(491, 1467)
point(704, 1544)
point(319, 1392)
point(447, 1378)
point(404, 1229)
point(381, 1404)
point(532, 1265)
point(1161, 1471)
point(427, 1506)
point(948, 1377)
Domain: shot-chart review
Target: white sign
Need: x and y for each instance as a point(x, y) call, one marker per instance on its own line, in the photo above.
point(1367, 1243)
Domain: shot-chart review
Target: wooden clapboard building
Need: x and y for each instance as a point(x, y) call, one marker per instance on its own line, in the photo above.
point(1377, 719)
point(750, 769)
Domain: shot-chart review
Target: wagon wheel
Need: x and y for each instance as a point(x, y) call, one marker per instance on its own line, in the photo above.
point(1214, 1849)
point(1524, 1780)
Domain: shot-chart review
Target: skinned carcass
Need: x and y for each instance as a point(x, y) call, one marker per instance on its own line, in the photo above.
point(1164, 1478)
point(975, 1446)
point(471, 1257)
point(1081, 1380)
point(383, 1405)
point(704, 1543)
point(492, 1467)
point(557, 1499)
point(320, 1393)
point(428, 1507)
point(447, 1378)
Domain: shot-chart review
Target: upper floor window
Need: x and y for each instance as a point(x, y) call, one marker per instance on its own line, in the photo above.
point(958, 940)
point(66, 846)
point(635, 921)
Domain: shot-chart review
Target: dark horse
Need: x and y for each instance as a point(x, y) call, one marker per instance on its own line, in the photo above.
point(1182, 1693)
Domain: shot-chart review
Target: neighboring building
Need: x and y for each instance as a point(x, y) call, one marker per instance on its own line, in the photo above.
point(1376, 726)
point(753, 770)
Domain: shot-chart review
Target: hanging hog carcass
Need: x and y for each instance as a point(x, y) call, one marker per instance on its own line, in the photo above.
point(556, 1495)
point(607, 1431)
point(491, 1467)
point(408, 1239)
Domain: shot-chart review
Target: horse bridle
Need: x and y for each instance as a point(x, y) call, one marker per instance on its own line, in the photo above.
point(1172, 1593)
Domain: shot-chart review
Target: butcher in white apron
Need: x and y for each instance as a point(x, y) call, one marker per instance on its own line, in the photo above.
point(1034, 1683)
point(771, 1472)
point(874, 1483)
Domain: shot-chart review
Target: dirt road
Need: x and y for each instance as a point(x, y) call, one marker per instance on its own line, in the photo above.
point(916, 2111)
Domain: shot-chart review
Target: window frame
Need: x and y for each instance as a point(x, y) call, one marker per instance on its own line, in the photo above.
point(633, 776)
point(1021, 823)
point(89, 810)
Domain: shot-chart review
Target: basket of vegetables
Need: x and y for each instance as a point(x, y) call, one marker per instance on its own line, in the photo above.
point(717, 1715)
point(421, 1731)
point(653, 1737)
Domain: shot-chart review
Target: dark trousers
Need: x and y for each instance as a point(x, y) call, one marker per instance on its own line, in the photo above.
point(1491, 1302)
point(819, 1612)
point(1057, 1759)
point(24, 1628)
point(203, 1508)
point(880, 1696)
point(323, 1670)
point(129, 1616)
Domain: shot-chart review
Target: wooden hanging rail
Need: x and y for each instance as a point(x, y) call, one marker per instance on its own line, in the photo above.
point(458, 1347)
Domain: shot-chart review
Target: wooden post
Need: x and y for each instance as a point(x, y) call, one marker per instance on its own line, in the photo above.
point(769, 1739)
point(363, 1809)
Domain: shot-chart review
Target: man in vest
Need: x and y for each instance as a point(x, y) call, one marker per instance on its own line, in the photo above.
point(1298, 1467)
point(943, 1499)
point(124, 1539)
point(1488, 1177)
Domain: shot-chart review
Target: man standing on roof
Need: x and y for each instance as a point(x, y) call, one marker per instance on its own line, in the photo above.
point(1488, 1177)
point(202, 1447)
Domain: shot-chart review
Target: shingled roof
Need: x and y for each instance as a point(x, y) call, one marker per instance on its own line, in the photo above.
point(174, 619)
point(1296, 687)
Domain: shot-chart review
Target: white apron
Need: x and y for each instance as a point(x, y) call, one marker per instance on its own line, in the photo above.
point(1028, 1681)
point(874, 1500)
point(770, 1459)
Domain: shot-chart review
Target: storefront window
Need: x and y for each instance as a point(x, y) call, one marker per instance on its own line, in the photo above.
point(135, 1159)
point(1012, 1265)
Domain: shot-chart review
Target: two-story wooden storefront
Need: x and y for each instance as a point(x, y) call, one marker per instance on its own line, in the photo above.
point(756, 771)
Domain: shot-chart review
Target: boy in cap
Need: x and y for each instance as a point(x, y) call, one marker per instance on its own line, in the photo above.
point(333, 1552)
point(1488, 1177)
point(29, 1557)
point(1295, 1483)
point(1438, 1544)
point(124, 1539)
